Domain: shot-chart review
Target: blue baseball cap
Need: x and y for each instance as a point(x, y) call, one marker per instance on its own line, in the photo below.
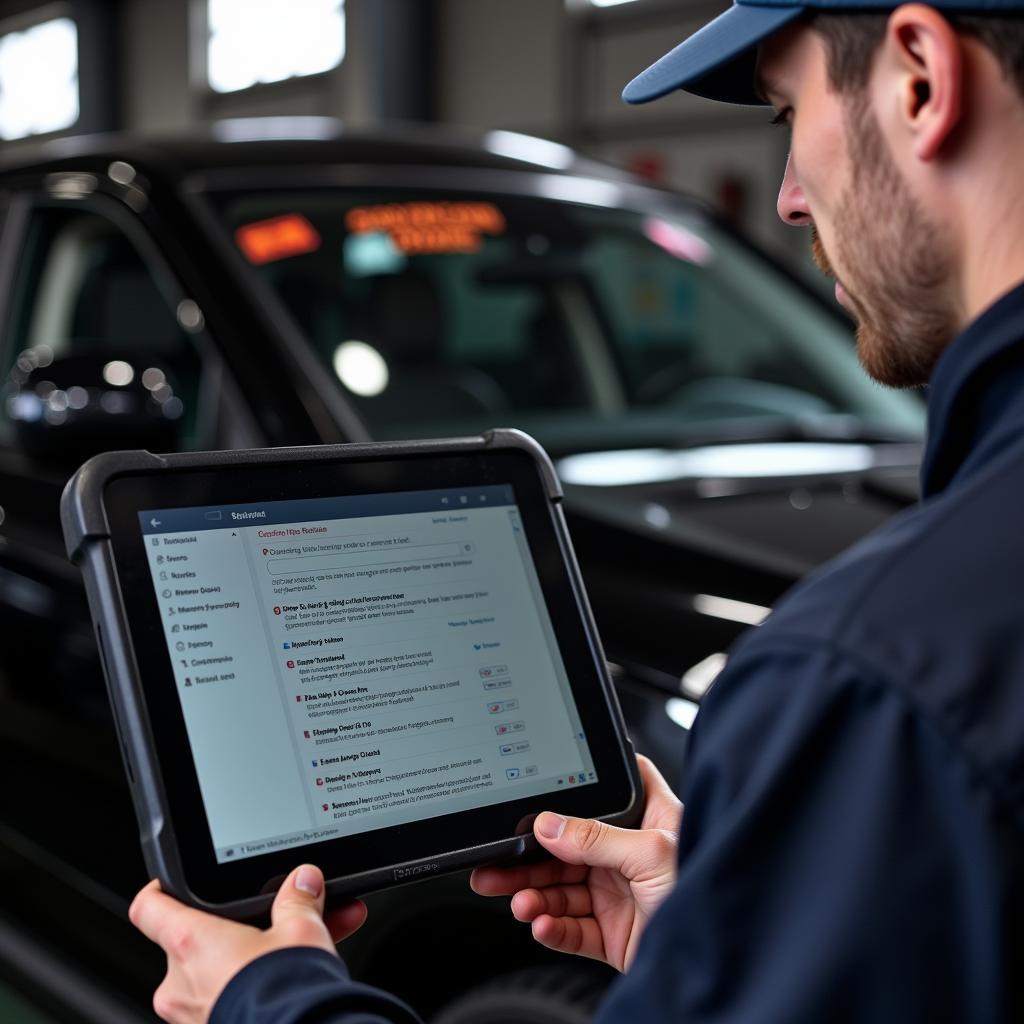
point(718, 61)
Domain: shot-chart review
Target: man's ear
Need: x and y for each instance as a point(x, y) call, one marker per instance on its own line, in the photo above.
point(925, 59)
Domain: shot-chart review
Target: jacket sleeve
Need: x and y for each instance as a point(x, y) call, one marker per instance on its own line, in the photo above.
point(840, 860)
point(303, 985)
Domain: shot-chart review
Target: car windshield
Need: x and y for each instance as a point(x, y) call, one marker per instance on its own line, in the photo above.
point(440, 313)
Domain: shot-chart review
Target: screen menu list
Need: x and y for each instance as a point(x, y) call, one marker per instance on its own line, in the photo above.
point(346, 664)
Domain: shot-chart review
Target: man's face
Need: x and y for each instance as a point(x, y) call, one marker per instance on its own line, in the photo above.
point(891, 261)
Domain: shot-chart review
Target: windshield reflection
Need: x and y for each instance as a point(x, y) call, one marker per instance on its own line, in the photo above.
point(589, 327)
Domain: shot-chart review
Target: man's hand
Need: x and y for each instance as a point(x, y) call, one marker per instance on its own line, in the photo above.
point(597, 898)
point(205, 952)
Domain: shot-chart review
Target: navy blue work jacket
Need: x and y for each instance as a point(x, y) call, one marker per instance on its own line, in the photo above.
point(852, 847)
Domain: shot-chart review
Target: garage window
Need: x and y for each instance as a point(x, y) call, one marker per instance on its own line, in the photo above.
point(248, 44)
point(38, 75)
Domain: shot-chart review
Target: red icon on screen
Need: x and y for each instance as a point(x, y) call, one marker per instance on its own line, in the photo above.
point(324, 806)
point(305, 732)
point(277, 611)
point(298, 698)
point(290, 664)
point(266, 551)
point(319, 782)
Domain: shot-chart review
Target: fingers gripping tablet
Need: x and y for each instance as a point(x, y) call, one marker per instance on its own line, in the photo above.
point(376, 656)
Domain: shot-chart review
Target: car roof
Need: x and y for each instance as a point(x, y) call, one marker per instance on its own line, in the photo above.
point(276, 141)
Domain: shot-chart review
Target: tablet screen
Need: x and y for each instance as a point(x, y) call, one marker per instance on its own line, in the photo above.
point(355, 663)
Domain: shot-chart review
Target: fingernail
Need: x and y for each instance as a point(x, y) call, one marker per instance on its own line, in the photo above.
point(309, 880)
point(550, 825)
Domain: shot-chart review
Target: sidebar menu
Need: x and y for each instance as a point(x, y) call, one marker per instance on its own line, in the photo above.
point(232, 707)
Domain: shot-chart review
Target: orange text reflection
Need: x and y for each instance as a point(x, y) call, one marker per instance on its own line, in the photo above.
point(425, 228)
point(268, 240)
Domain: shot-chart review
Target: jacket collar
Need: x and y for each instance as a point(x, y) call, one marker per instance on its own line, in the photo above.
point(976, 395)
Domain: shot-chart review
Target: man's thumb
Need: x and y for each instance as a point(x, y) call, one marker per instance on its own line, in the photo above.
point(585, 841)
point(301, 896)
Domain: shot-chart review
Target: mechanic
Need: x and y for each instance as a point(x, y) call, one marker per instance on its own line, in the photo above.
point(853, 844)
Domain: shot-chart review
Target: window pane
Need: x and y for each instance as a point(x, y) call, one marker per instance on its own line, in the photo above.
point(39, 79)
point(272, 40)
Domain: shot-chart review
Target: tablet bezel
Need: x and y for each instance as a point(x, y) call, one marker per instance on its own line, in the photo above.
point(213, 883)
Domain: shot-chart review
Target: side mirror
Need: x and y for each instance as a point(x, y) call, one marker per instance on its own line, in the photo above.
point(68, 408)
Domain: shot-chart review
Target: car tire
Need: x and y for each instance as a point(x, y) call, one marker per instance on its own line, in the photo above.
point(537, 995)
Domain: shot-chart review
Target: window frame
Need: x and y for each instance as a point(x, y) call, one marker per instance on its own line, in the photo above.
point(213, 371)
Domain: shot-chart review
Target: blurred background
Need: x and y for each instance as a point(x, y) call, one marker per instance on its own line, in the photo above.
point(552, 68)
point(253, 223)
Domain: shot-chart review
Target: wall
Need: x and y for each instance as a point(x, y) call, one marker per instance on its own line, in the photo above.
point(542, 67)
point(502, 64)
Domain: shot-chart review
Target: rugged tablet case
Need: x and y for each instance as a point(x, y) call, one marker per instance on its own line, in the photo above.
point(88, 541)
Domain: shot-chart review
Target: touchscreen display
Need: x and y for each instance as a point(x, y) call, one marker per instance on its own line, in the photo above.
point(354, 663)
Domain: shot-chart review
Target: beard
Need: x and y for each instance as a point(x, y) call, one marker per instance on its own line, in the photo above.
point(897, 263)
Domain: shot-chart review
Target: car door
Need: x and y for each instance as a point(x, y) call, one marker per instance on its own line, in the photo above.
point(90, 316)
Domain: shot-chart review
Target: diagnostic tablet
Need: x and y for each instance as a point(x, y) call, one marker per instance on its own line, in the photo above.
point(375, 657)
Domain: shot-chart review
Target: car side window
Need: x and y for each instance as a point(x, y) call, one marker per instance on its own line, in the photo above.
point(85, 296)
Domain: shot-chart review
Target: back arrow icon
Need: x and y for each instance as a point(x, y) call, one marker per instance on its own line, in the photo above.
point(154, 522)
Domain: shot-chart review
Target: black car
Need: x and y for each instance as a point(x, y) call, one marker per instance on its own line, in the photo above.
point(714, 433)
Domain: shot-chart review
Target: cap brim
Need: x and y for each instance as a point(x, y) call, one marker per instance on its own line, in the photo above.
point(717, 62)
